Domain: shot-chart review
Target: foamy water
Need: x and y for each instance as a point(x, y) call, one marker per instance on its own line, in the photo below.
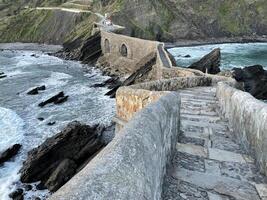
point(19, 111)
point(233, 55)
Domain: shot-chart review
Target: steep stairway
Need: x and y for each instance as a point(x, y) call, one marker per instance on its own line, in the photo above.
point(209, 164)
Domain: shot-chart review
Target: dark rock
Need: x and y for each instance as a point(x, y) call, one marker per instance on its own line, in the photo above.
point(17, 194)
point(9, 153)
point(1, 73)
point(28, 187)
point(52, 99)
point(210, 63)
point(144, 66)
point(41, 186)
point(40, 118)
point(255, 80)
point(61, 100)
point(37, 198)
point(111, 82)
point(35, 90)
point(51, 123)
point(3, 76)
point(77, 142)
point(187, 56)
point(63, 173)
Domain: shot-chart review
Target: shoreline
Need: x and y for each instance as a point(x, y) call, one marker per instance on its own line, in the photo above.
point(191, 43)
point(20, 46)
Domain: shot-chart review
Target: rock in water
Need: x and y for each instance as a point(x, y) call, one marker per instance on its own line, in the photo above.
point(9, 153)
point(17, 194)
point(3, 76)
point(52, 99)
point(255, 80)
point(61, 100)
point(58, 158)
point(34, 91)
point(210, 63)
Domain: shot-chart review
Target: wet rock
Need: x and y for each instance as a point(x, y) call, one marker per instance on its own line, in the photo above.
point(1, 73)
point(187, 56)
point(17, 194)
point(173, 61)
point(40, 118)
point(9, 153)
point(36, 90)
point(3, 76)
point(255, 80)
point(51, 123)
point(65, 170)
point(64, 152)
point(28, 187)
point(61, 100)
point(52, 99)
point(40, 186)
point(210, 63)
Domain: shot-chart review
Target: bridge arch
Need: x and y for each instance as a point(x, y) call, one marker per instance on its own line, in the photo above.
point(124, 50)
point(107, 46)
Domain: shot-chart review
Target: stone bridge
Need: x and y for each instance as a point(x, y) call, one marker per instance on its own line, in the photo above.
point(196, 137)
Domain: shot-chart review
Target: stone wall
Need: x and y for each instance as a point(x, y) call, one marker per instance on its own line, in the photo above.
point(122, 53)
point(248, 118)
point(134, 164)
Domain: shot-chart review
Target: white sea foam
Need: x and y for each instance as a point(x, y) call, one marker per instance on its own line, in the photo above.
point(11, 132)
point(57, 79)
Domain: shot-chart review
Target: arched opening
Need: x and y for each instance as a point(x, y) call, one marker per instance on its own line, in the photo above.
point(124, 50)
point(107, 46)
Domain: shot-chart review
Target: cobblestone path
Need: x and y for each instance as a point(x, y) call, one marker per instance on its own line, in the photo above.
point(209, 164)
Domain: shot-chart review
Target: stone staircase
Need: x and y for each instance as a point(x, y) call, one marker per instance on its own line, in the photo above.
point(209, 164)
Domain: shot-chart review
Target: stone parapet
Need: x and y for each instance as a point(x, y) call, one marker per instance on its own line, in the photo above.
point(248, 118)
point(134, 164)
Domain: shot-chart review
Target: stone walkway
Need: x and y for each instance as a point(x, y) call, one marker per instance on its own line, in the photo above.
point(209, 164)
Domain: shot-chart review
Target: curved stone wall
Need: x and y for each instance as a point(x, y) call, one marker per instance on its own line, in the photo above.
point(248, 118)
point(134, 164)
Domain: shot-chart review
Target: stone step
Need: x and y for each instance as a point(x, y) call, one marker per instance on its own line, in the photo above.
point(241, 190)
point(197, 96)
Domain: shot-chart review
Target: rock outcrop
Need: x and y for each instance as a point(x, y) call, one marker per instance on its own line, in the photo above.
point(36, 90)
point(9, 153)
point(56, 160)
point(255, 80)
point(144, 66)
point(56, 99)
point(210, 63)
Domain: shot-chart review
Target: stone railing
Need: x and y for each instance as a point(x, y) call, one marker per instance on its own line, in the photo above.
point(248, 118)
point(134, 164)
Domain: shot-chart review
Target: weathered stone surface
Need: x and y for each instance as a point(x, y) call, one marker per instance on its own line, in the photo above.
point(246, 114)
point(210, 63)
point(57, 159)
point(133, 165)
point(255, 80)
point(17, 194)
point(9, 153)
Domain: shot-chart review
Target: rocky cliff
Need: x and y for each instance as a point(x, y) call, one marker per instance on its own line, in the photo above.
point(164, 20)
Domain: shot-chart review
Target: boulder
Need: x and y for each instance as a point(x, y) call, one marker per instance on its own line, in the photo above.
point(61, 100)
point(210, 63)
point(61, 154)
point(52, 99)
point(9, 153)
point(111, 82)
point(3, 76)
point(255, 80)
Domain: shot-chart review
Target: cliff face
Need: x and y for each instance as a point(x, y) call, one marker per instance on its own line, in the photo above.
point(165, 20)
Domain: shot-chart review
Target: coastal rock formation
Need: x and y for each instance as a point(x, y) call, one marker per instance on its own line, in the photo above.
point(144, 66)
point(17, 194)
point(56, 99)
point(2, 75)
point(210, 63)
point(87, 51)
point(36, 90)
point(9, 153)
point(255, 80)
point(56, 160)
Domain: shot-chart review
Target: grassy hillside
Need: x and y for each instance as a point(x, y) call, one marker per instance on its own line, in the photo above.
point(165, 20)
